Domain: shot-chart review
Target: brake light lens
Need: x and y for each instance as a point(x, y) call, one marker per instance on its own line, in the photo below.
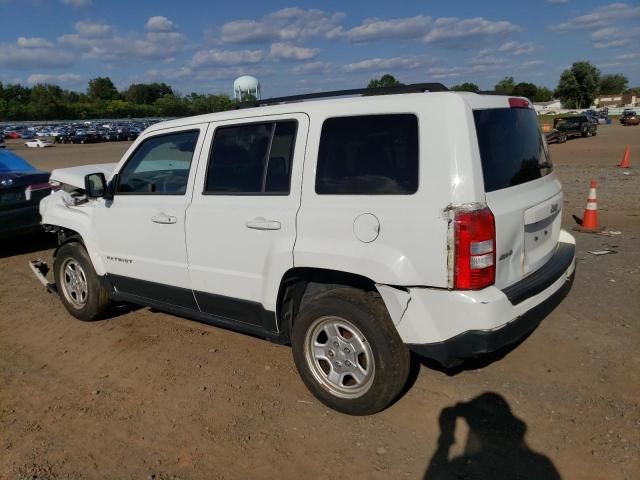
point(518, 103)
point(475, 249)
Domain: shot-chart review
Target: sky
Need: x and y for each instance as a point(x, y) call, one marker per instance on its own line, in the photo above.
point(306, 46)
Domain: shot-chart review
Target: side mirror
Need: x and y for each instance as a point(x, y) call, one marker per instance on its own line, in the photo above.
point(95, 185)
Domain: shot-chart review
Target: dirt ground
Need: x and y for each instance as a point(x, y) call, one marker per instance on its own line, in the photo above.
point(150, 395)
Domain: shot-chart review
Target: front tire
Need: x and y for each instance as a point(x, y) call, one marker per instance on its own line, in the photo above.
point(348, 352)
point(79, 287)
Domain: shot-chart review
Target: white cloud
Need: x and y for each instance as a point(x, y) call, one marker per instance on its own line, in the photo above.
point(63, 79)
point(288, 24)
point(486, 59)
point(160, 24)
point(93, 29)
point(452, 30)
point(311, 68)
point(393, 63)
point(628, 56)
point(101, 42)
point(282, 51)
point(155, 75)
point(397, 28)
point(517, 48)
point(531, 63)
point(600, 17)
point(78, 3)
point(442, 73)
point(215, 57)
point(612, 43)
point(34, 52)
point(33, 42)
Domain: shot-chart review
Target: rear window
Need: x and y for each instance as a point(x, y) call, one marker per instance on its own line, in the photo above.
point(511, 147)
point(368, 155)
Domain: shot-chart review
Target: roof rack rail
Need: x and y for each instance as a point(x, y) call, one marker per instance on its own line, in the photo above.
point(412, 88)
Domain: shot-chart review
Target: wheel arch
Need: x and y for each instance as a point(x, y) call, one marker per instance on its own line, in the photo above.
point(299, 284)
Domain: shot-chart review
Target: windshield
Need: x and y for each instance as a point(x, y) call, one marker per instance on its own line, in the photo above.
point(512, 148)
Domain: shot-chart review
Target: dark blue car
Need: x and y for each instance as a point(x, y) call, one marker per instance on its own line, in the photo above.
point(22, 186)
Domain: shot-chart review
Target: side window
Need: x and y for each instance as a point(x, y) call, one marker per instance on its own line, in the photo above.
point(368, 155)
point(160, 165)
point(252, 159)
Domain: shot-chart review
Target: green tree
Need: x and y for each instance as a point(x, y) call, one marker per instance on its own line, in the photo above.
point(147, 93)
point(386, 80)
point(171, 106)
point(613, 83)
point(45, 102)
point(102, 89)
point(579, 85)
point(527, 90)
point(466, 87)
point(543, 95)
point(506, 85)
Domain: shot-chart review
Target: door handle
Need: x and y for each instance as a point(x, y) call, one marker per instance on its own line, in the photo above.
point(261, 223)
point(163, 218)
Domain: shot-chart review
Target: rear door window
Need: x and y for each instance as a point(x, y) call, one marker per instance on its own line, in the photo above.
point(368, 155)
point(512, 149)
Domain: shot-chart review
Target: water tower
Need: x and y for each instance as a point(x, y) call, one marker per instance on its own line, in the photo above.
point(245, 86)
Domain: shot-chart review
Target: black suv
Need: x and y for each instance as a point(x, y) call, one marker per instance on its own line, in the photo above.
point(576, 126)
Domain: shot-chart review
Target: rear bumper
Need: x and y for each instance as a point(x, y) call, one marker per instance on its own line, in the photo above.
point(477, 342)
point(449, 325)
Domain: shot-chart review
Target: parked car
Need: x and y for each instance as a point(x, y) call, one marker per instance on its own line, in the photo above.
point(555, 136)
point(21, 188)
point(27, 135)
point(575, 126)
point(2, 144)
point(38, 143)
point(13, 134)
point(629, 118)
point(222, 226)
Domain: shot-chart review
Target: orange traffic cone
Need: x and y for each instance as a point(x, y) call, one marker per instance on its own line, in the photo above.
point(590, 217)
point(626, 158)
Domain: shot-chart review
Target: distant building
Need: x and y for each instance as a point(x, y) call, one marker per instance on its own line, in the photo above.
point(619, 100)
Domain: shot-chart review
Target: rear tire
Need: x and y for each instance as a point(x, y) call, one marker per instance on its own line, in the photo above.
point(79, 287)
point(348, 352)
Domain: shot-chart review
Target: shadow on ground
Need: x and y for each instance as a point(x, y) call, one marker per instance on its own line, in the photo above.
point(495, 447)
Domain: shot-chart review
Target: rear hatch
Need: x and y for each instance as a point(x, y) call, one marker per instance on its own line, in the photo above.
point(521, 190)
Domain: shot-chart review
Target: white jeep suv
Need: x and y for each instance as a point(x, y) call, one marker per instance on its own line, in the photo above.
point(355, 228)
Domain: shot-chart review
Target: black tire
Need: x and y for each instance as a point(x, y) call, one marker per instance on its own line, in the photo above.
point(368, 314)
point(92, 304)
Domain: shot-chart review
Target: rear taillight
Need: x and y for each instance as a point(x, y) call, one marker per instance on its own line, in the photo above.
point(475, 249)
point(518, 103)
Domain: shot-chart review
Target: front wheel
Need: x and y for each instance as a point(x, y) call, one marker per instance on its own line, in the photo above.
point(348, 352)
point(80, 289)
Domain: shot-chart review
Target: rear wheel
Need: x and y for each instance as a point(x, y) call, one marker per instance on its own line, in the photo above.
point(80, 289)
point(348, 351)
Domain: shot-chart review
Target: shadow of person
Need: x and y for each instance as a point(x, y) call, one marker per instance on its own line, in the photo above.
point(495, 448)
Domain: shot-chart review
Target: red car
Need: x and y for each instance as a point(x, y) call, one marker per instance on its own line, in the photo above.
point(13, 134)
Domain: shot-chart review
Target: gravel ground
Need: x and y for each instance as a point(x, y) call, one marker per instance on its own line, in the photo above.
point(150, 395)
